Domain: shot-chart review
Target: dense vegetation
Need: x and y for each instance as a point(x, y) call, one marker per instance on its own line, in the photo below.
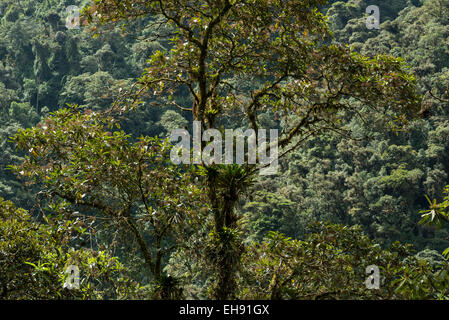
point(86, 178)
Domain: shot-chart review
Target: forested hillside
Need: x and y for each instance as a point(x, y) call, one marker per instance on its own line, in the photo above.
point(90, 183)
point(381, 180)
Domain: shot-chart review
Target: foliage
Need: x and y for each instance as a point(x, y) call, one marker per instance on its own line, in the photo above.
point(297, 74)
point(83, 158)
point(437, 214)
point(34, 257)
point(372, 177)
point(331, 264)
point(230, 64)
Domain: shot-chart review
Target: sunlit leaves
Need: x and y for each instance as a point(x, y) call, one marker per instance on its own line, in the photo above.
point(282, 45)
point(34, 256)
point(86, 160)
point(330, 264)
point(437, 214)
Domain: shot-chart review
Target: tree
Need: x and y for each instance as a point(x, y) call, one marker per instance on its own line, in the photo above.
point(85, 164)
point(172, 120)
point(34, 257)
point(297, 74)
point(331, 263)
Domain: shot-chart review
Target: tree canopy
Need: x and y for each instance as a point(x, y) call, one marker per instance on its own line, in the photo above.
point(86, 117)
